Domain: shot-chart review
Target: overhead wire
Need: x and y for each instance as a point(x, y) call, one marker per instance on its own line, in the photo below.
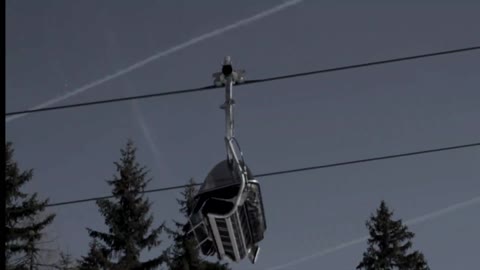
point(247, 82)
point(336, 164)
point(163, 53)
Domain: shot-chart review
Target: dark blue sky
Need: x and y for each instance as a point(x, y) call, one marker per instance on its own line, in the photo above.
point(55, 47)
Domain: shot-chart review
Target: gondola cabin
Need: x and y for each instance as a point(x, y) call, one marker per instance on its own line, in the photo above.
point(228, 218)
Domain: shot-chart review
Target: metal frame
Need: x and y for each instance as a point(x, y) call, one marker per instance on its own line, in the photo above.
point(239, 168)
point(229, 77)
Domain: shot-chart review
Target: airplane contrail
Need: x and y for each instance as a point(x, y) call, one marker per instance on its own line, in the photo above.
point(158, 55)
point(146, 131)
point(414, 221)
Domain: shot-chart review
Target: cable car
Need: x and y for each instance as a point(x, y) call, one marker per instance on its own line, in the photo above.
point(228, 219)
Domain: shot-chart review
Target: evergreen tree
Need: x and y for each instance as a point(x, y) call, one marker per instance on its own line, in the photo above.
point(128, 219)
point(23, 227)
point(66, 262)
point(95, 259)
point(389, 243)
point(183, 255)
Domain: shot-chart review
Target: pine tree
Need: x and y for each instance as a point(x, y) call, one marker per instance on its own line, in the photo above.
point(95, 259)
point(128, 219)
point(389, 243)
point(183, 255)
point(66, 262)
point(23, 227)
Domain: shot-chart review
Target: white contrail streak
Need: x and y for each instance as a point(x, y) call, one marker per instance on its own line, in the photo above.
point(158, 55)
point(443, 211)
point(146, 132)
point(413, 221)
point(320, 253)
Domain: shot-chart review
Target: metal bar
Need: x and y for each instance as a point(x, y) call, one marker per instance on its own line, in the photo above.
point(242, 235)
point(216, 236)
point(229, 107)
point(231, 149)
point(233, 239)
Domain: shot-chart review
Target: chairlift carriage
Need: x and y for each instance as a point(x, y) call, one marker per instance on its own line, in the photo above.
point(228, 219)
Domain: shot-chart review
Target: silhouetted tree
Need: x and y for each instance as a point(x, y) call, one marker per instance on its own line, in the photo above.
point(66, 262)
point(96, 258)
point(183, 255)
point(128, 219)
point(389, 243)
point(23, 227)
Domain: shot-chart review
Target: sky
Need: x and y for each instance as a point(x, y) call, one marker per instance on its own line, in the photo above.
point(315, 219)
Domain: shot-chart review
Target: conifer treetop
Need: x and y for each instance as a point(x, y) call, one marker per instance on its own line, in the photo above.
point(128, 219)
point(389, 243)
point(24, 224)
